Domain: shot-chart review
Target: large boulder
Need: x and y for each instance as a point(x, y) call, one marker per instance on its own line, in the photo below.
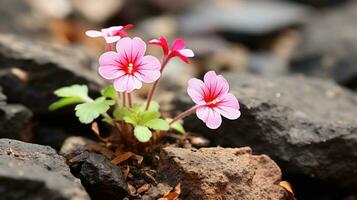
point(307, 125)
point(13, 118)
point(221, 173)
point(30, 72)
point(31, 171)
point(332, 53)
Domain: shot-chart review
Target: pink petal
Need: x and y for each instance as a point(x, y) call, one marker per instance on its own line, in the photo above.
point(178, 44)
point(127, 83)
point(229, 107)
point(110, 72)
point(111, 29)
point(131, 50)
point(155, 42)
point(216, 85)
point(111, 39)
point(109, 58)
point(128, 26)
point(133, 83)
point(208, 115)
point(93, 33)
point(186, 52)
point(161, 42)
point(149, 69)
point(195, 90)
point(182, 57)
point(120, 83)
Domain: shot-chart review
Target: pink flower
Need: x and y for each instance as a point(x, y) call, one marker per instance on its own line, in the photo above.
point(177, 49)
point(212, 99)
point(128, 67)
point(111, 34)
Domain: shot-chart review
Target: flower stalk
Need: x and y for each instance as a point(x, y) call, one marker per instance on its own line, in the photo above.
point(184, 114)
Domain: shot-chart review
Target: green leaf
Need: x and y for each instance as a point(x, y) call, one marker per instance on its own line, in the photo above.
point(108, 92)
point(158, 124)
point(65, 102)
point(131, 119)
point(154, 106)
point(119, 113)
point(107, 120)
point(73, 91)
point(149, 115)
point(142, 133)
point(177, 126)
point(87, 112)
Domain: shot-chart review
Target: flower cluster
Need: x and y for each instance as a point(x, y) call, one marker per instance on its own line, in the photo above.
point(126, 64)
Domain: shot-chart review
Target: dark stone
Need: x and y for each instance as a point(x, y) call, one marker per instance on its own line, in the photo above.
point(13, 119)
point(322, 3)
point(31, 171)
point(307, 125)
point(51, 136)
point(102, 179)
point(30, 72)
point(333, 53)
point(221, 173)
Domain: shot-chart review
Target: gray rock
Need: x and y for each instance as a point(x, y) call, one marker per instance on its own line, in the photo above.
point(30, 171)
point(13, 118)
point(19, 17)
point(332, 53)
point(307, 125)
point(30, 72)
point(253, 17)
point(221, 173)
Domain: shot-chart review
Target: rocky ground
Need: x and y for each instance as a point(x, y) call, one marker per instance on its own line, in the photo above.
point(291, 64)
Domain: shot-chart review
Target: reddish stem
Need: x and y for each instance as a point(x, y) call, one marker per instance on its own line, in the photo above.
point(124, 101)
point(152, 91)
point(130, 101)
point(184, 114)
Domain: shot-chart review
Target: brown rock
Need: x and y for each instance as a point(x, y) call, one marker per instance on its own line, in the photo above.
point(221, 173)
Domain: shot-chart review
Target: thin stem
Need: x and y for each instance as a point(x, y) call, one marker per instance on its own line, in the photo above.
point(152, 91)
point(129, 100)
point(124, 101)
point(110, 47)
point(116, 99)
point(184, 114)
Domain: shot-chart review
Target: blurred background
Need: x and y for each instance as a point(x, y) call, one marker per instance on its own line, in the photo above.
point(43, 47)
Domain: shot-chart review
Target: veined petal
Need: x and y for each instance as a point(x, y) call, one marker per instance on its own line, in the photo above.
point(127, 83)
point(94, 33)
point(133, 83)
point(186, 52)
point(216, 85)
point(195, 90)
point(228, 107)
point(109, 58)
point(149, 69)
point(178, 44)
point(120, 83)
point(208, 115)
point(131, 50)
point(110, 71)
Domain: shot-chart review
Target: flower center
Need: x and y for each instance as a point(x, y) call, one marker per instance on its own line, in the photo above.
point(212, 103)
point(130, 68)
